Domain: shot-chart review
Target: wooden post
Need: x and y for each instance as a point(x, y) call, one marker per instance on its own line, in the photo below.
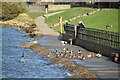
point(46, 10)
point(60, 22)
point(71, 40)
point(75, 28)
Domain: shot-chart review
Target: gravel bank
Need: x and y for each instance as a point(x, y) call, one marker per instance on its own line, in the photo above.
point(75, 70)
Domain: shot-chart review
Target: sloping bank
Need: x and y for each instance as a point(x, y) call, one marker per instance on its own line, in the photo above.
point(23, 23)
point(76, 71)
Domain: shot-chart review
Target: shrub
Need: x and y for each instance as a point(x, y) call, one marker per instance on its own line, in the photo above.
point(10, 10)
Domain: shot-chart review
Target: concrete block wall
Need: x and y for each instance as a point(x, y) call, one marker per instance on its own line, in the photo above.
point(36, 8)
point(107, 51)
point(58, 7)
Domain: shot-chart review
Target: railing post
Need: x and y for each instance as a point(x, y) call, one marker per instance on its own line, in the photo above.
point(71, 41)
point(75, 28)
point(60, 23)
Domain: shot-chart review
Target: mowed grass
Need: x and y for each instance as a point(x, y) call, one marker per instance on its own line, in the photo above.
point(24, 18)
point(67, 14)
point(100, 19)
point(34, 15)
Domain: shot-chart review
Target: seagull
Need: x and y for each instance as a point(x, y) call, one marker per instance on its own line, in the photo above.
point(99, 55)
point(83, 58)
point(64, 42)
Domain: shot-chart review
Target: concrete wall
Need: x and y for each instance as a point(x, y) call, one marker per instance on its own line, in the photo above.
point(58, 7)
point(107, 51)
point(39, 8)
point(36, 8)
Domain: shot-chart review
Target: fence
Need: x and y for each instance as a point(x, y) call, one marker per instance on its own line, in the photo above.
point(95, 40)
point(106, 38)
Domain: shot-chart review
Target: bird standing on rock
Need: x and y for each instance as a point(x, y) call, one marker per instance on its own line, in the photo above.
point(56, 54)
point(89, 55)
point(71, 55)
point(50, 54)
point(80, 54)
point(64, 49)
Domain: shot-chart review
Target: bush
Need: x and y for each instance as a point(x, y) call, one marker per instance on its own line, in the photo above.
point(10, 10)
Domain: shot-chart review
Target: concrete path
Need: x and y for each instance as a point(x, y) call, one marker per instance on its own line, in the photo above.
point(102, 67)
point(43, 27)
point(51, 14)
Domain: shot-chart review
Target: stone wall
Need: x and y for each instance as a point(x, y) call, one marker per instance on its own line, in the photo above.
point(39, 8)
point(36, 8)
point(58, 7)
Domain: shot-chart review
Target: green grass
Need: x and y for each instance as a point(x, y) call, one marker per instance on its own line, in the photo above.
point(100, 19)
point(69, 13)
point(34, 15)
point(24, 18)
point(52, 11)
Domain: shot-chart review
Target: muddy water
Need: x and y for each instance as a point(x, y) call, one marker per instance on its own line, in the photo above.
point(35, 66)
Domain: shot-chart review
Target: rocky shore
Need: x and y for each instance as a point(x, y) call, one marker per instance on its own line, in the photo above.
point(75, 70)
point(29, 27)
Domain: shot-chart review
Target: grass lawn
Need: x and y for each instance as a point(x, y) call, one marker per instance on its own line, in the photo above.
point(69, 13)
point(100, 19)
point(34, 15)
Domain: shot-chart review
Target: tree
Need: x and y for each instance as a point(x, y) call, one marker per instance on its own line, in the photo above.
point(10, 10)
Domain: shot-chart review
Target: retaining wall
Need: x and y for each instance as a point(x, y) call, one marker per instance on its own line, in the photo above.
point(58, 7)
point(36, 8)
point(94, 40)
point(106, 50)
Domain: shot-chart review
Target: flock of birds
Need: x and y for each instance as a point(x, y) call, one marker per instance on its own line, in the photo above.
point(70, 54)
point(65, 54)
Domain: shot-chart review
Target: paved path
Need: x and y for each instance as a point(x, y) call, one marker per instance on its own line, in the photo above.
point(53, 13)
point(103, 67)
point(44, 28)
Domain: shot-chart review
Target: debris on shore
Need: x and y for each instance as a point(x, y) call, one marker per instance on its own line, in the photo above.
point(28, 44)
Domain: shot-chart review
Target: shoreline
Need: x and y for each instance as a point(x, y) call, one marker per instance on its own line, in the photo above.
point(76, 71)
point(30, 29)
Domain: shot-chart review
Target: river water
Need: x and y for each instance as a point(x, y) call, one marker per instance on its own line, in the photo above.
point(35, 66)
